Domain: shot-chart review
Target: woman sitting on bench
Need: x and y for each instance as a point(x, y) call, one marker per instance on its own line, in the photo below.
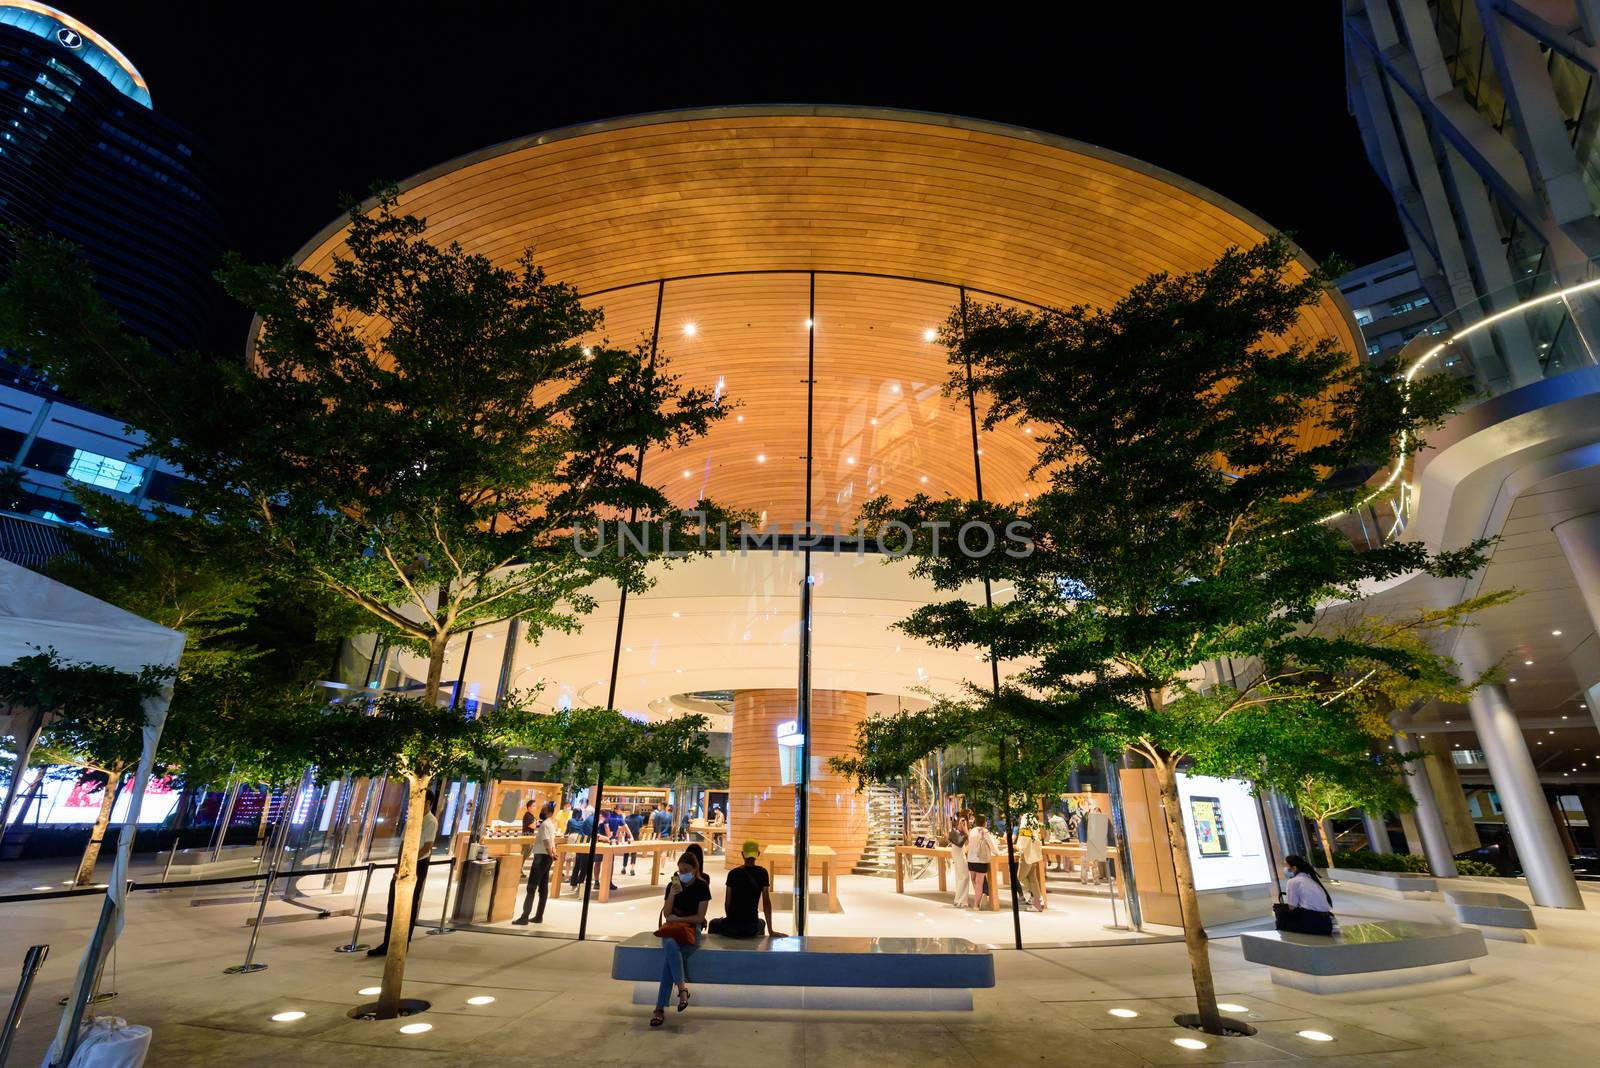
point(1309, 909)
point(684, 907)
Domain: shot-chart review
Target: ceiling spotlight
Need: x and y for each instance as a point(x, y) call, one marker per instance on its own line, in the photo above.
point(587, 351)
point(1563, 717)
point(894, 388)
point(675, 615)
point(690, 330)
point(1458, 745)
point(930, 334)
point(1447, 723)
point(761, 457)
point(924, 478)
point(739, 418)
point(1027, 430)
point(1527, 663)
point(1422, 736)
point(1512, 679)
point(1552, 732)
point(685, 472)
point(809, 324)
point(849, 459)
point(1555, 634)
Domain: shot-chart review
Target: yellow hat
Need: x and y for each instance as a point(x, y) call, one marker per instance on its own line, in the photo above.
point(751, 848)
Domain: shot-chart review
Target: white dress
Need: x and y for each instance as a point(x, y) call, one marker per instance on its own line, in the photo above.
point(1094, 847)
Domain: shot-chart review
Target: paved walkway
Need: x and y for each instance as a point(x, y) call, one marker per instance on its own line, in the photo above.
point(555, 1004)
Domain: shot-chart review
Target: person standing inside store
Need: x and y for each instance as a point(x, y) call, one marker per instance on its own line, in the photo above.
point(981, 848)
point(530, 820)
point(579, 828)
point(1097, 828)
point(635, 821)
point(956, 839)
point(749, 885)
point(544, 850)
point(1309, 909)
point(661, 822)
point(430, 832)
point(1059, 832)
point(1030, 868)
point(687, 898)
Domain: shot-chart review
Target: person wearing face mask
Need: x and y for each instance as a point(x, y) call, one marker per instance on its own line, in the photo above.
point(687, 898)
point(1309, 908)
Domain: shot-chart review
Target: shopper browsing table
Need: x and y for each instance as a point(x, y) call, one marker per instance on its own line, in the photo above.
point(686, 900)
point(981, 849)
point(956, 838)
point(544, 848)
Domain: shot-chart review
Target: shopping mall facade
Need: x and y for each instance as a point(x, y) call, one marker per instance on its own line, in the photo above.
point(799, 263)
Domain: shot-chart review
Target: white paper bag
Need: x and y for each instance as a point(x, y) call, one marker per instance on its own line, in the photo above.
point(110, 1042)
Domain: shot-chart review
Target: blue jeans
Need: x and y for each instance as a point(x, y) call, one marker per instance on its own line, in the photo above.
point(673, 956)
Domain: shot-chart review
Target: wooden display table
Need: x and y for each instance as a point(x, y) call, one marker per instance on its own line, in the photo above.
point(819, 857)
point(710, 832)
point(904, 854)
point(508, 850)
point(605, 854)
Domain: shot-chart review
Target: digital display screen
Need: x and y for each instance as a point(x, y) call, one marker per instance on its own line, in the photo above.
point(1210, 832)
point(1226, 841)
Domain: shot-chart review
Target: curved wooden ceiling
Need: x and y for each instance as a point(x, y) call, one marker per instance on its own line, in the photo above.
point(931, 200)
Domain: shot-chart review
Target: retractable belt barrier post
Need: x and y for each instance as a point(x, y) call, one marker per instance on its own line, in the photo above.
point(355, 945)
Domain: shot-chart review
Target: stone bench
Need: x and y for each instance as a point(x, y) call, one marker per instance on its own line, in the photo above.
point(816, 972)
point(1500, 915)
point(1365, 956)
point(1403, 884)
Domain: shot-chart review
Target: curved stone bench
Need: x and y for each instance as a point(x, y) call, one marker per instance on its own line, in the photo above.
point(1402, 884)
point(1365, 956)
point(1501, 915)
point(816, 972)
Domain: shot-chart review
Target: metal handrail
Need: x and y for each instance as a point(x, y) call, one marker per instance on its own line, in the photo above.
point(19, 1001)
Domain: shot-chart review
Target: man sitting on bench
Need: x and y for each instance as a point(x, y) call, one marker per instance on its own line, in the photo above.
point(746, 886)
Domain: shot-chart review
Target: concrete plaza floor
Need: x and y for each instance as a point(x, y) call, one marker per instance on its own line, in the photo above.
point(554, 1002)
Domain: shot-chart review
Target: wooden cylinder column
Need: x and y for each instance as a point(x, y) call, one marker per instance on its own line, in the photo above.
point(761, 801)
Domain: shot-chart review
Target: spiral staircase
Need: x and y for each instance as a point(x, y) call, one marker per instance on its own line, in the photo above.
point(885, 830)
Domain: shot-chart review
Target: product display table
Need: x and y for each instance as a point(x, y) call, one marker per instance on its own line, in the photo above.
point(904, 854)
point(508, 849)
point(605, 854)
point(819, 858)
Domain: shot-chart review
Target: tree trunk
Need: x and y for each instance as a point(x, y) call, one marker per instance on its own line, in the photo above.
point(1194, 932)
point(91, 852)
point(405, 889)
point(266, 811)
point(405, 872)
point(1325, 832)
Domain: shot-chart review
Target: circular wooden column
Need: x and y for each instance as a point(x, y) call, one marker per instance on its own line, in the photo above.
point(761, 803)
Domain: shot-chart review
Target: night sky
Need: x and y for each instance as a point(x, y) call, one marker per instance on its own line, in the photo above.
point(303, 104)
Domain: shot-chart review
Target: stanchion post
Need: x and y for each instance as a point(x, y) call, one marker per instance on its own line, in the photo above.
point(19, 1001)
point(444, 909)
point(171, 854)
point(355, 944)
point(250, 964)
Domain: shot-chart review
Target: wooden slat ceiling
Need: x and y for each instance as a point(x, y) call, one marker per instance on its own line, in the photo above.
point(933, 201)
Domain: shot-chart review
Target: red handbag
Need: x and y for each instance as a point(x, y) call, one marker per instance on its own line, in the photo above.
point(681, 933)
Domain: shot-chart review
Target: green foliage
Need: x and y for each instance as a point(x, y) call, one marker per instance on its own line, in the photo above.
point(584, 739)
point(1366, 860)
point(97, 713)
point(1475, 867)
point(253, 646)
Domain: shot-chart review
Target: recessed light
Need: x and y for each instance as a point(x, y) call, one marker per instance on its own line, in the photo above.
point(1563, 717)
point(1228, 1006)
point(416, 1028)
point(1315, 1036)
point(1458, 745)
point(1512, 679)
point(481, 999)
point(675, 615)
point(1550, 732)
point(690, 330)
point(894, 388)
point(686, 472)
point(809, 324)
point(288, 1017)
point(761, 457)
point(1527, 663)
point(1027, 430)
point(1188, 1043)
point(930, 334)
point(1122, 1014)
point(924, 478)
point(587, 351)
point(1447, 723)
point(739, 418)
point(1555, 634)
point(370, 991)
point(1422, 736)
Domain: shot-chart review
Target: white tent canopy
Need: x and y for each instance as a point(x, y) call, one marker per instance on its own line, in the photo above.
point(38, 614)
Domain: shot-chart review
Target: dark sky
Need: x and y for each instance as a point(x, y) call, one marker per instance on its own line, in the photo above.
point(303, 103)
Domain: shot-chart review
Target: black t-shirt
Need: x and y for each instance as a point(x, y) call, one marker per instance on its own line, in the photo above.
point(687, 904)
point(744, 892)
point(530, 820)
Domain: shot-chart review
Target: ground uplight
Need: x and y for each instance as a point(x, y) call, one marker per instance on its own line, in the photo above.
point(1122, 1014)
point(416, 1028)
point(1315, 1036)
point(1188, 1043)
point(288, 1017)
point(370, 991)
point(481, 999)
point(1228, 1006)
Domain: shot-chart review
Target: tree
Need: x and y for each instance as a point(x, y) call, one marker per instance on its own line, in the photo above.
point(419, 433)
point(1188, 444)
point(95, 721)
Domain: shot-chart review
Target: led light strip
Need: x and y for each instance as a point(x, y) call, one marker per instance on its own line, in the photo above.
point(1428, 357)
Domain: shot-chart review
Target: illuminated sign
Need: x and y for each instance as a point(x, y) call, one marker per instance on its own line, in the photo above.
point(69, 38)
point(789, 733)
